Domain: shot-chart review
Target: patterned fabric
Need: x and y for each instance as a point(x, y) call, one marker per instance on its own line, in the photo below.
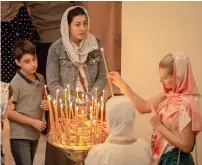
point(4, 97)
point(19, 28)
point(179, 108)
point(5, 151)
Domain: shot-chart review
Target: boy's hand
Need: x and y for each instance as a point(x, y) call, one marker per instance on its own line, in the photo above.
point(39, 125)
point(44, 105)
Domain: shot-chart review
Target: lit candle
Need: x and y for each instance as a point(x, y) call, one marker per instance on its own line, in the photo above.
point(82, 96)
point(61, 111)
point(97, 112)
point(45, 97)
point(83, 121)
point(92, 101)
point(86, 97)
point(71, 111)
point(103, 94)
point(94, 129)
point(57, 92)
point(96, 95)
point(77, 110)
point(95, 108)
point(46, 92)
point(91, 110)
point(102, 101)
point(65, 94)
point(77, 93)
point(102, 109)
point(110, 84)
point(50, 113)
point(97, 136)
point(91, 123)
point(56, 114)
point(66, 106)
point(68, 88)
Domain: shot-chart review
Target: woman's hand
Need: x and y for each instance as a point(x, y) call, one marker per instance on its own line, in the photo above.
point(155, 119)
point(116, 79)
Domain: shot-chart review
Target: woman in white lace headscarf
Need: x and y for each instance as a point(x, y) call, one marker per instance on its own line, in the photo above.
point(76, 59)
point(6, 105)
point(120, 148)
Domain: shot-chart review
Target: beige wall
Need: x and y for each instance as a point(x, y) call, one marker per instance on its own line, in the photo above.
point(150, 30)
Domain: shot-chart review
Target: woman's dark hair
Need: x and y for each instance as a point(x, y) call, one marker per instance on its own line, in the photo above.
point(75, 12)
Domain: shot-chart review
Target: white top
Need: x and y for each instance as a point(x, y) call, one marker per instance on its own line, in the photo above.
point(138, 153)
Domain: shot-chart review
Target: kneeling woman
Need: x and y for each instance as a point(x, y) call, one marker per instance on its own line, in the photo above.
point(120, 148)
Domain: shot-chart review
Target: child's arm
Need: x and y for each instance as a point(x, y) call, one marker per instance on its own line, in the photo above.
point(22, 119)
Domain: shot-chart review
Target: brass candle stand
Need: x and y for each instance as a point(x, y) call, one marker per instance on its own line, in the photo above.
point(75, 127)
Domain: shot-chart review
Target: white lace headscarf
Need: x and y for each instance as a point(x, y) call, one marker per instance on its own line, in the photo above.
point(4, 97)
point(77, 53)
point(120, 115)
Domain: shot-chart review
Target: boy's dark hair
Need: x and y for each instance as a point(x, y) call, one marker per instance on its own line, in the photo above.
point(75, 12)
point(23, 47)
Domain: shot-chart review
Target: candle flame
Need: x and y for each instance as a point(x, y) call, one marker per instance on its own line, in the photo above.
point(92, 97)
point(77, 89)
point(91, 116)
point(68, 86)
point(102, 99)
point(65, 89)
point(91, 108)
point(102, 108)
point(45, 86)
point(102, 49)
point(77, 108)
point(54, 102)
point(57, 91)
point(71, 104)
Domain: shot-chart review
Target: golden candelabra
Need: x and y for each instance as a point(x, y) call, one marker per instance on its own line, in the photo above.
point(76, 126)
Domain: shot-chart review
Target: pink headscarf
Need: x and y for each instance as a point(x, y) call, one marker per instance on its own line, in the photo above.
point(185, 85)
point(184, 93)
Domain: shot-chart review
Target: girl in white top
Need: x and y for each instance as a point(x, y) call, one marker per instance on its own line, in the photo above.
point(120, 148)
